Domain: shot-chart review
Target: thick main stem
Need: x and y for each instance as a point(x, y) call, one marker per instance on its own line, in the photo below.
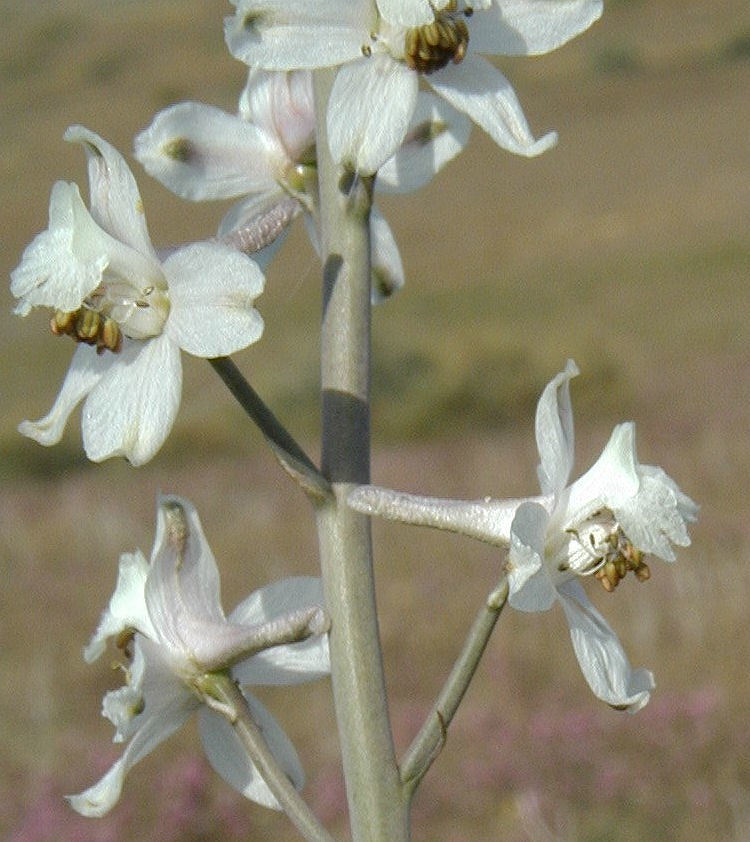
point(377, 807)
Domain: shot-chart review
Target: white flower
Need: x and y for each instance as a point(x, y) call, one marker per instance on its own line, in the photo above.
point(600, 525)
point(131, 311)
point(166, 617)
point(267, 153)
point(385, 46)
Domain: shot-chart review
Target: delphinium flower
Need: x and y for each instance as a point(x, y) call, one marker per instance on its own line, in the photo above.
point(166, 619)
point(266, 154)
point(130, 311)
point(601, 525)
point(386, 46)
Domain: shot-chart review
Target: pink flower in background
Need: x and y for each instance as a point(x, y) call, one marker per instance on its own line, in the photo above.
point(166, 617)
point(386, 46)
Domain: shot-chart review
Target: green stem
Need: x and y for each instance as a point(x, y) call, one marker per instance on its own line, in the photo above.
point(431, 737)
point(293, 459)
point(221, 693)
point(377, 807)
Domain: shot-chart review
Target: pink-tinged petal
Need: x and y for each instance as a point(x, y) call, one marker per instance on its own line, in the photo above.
point(63, 264)
point(127, 606)
point(131, 409)
point(258, 225)
point(369, 111)
point(115, 201)
point(212, 288)
point(86, 369)
point(201, 152)
point(554, 431)
point(523, 28)
point(480, 90)
point(164, 711)
point(530, 585)
point(289, 663)
point(298, 34)
point(387, 268)
point(230, 760)
point(437, 133)
point(408, 13)
point(281, 105)
point(603, 661)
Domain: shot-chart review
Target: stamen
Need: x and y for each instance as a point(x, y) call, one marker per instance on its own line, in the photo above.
point(90, 327)
point(430, 47)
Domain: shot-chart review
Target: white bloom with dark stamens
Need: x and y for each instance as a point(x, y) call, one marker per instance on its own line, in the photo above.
point(385, 46)
point(601, 525)
point(166, 616)
point(266, 153)
point(101, 274)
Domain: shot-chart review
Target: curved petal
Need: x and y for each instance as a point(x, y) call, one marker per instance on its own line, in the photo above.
point(387, 268)
point(554, 431)
point(228, 757)
point(437, 133)
point(86, 370)
point(201, 152)
point(116, 204)
point(521, 28)
point(164, 711)
point(529, 583)
point(131, 409)
point(212, 288)
point(603, 661)
point(282, 105)
point(371, 105)
point(480, 90)
point(63, 264)
point(127, 606)
point(298, 34)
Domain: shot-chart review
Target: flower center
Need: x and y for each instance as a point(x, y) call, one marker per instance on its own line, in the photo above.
point(430, 47)
point(115, 309)
point(601, 549)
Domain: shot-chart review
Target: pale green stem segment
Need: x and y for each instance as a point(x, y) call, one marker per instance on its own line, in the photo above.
point(431, 737)
point(290, 455)
point(220, 692)
point(378, 810)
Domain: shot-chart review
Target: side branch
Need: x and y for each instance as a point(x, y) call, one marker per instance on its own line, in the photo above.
point(291, 456)
point(432, 735)
point(222, 694)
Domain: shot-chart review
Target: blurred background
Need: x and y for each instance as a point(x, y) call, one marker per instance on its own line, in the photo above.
point(627, 248)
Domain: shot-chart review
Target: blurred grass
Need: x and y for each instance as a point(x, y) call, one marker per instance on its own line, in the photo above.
point(627, 248)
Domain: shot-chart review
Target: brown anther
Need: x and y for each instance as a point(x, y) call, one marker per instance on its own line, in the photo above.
point(88, 326)
point(124, 642)
point(431, 47)
point(642, 572)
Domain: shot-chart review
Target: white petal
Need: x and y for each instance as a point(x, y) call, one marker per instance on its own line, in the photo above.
point(115, 201)
point(408, 13)
point(520, 27)
point(289, 663)
point(486, 519)
point(228, 757)
point(298, 34)
point(163, 713)
point(437, 133)
point(282, 106)
point(127, 606)
point(258, 225)
point(132, 408)
point(371, 105)
point(480, 90)
point(530, 586)
point(201, 152)
point(603, 661)
point(212, 288)
point(183, 587)
point(63, 264)
point(554, 431)
point(387, 268)
point(85, 371)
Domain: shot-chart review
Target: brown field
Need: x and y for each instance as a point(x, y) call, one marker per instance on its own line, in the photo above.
point(627, 248)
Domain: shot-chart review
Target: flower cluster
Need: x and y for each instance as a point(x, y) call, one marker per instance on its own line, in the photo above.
point(167, 621)
point(600, 525)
